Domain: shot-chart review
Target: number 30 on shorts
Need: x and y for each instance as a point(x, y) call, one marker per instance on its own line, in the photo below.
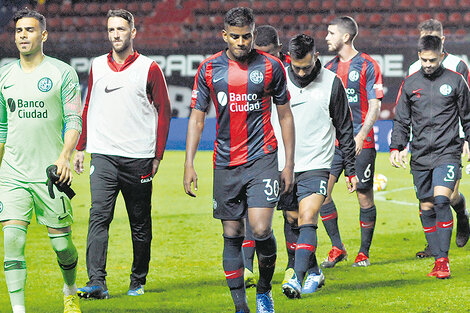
point(271, 189)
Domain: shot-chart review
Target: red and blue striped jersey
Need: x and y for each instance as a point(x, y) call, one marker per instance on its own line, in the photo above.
point(362, 79)
point(241, 93)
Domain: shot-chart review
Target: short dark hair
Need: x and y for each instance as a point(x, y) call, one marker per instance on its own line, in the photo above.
point(430, 43)
point(300, 46)
point(430, 25)
point(30, 13)
point(239, 17)
point(347, 24)
point(266, 35)
point(123, 14)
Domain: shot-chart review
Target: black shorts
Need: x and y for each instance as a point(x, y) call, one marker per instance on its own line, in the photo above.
point(443, 175)
point(306, 184)
point(254, 184)
point(365, 167)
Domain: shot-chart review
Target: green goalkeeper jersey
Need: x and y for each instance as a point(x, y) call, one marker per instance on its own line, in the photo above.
point(36, 109)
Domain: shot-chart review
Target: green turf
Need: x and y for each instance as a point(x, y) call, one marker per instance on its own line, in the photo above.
point(186, 267)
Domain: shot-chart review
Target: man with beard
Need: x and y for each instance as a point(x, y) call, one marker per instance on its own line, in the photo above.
point(321, 114)
point(241, 81)
point(457, 199)
point(125, 127)
point(362, 79)
point(433, 102)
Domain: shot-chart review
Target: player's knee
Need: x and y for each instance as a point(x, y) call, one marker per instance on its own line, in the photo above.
point(291, 217)
point(441, 202)
point(261, 232)
point(64, 248)
point(15, 241)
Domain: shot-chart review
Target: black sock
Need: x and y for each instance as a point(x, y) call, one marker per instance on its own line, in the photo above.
point(428, 219)
point(329, 217)
point(304, 250)
point(445, 224)
point(249, 247)
point(459, 206)
point(291, 233)
point(367, 219)
point(266, 252)
point(233, 268)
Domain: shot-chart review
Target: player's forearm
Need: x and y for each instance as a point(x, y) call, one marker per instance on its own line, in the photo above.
point(371, 117)
point(195, 128)
point(2, 151)
point(70, 141)
point(286, 121)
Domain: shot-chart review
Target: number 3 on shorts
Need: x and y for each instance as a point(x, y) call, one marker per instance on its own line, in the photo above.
point(271, 189)
point(450, 173)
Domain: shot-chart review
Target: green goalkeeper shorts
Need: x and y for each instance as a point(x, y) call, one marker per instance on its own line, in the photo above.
point(19, 199)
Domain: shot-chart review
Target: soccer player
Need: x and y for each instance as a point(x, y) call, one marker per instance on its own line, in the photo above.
point(241, 81)
point(125, 127)
point(431, 101)
point(267, 40)
point(457, 200)
point(362, 79)
point(321, 114)
point(40, 124)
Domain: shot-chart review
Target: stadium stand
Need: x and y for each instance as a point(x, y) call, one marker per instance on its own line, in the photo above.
point(171, 24)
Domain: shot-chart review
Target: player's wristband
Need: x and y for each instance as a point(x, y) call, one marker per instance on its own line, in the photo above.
point(350, 178)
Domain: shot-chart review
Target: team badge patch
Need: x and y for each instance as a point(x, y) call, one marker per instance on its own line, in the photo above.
point(353, 76)
point(45, 84)
point(256, 77)
point(222, 98)
point(445, 89)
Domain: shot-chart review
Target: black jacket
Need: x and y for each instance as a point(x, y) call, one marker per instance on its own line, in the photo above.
point(432, 105)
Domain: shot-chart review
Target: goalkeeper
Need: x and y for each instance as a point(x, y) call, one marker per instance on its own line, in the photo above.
point(39, 102)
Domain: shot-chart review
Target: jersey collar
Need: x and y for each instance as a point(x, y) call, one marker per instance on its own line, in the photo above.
point(116, 67)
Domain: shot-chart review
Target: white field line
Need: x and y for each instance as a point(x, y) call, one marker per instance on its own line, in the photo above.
point(381, 195)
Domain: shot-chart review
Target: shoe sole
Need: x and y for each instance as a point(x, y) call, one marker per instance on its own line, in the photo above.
point(328, 264)
point(290, 292)
point(360, 264)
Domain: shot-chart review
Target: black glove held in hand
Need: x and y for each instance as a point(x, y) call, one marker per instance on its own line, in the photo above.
point(53, 178)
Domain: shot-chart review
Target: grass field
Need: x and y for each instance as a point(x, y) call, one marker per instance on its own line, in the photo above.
point(186, 267)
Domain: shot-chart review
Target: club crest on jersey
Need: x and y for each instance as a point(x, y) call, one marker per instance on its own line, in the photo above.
point(445, 89)
point(256, 77)
point(222, 98)
point(45, 84)
point(353, 76)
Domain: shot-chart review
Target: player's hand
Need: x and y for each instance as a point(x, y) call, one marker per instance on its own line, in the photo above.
point(64, 170)
point(287, 179)
point(359, 143)
point(396, 159)
point(190, 177)
point(351, 183)
point(155, 165)
point(78, 161)
point(466, 150)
